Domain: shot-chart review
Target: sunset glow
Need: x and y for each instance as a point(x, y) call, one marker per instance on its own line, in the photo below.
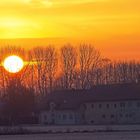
point(111, 25)
point(13, 64)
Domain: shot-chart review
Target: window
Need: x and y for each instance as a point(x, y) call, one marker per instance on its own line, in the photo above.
point(126, 115)
point(64, 117)
point(92, 105)
point(107, 105)
point(138, 104)
point(52, 114)
point(83, 116)
point(71, 116)
point(112, 116)
point(85, 107)
point(122, 104)
point(45, 117)
point(100, 105)
point(104, 116)
point(59, 116)
point(121, 115)
point(130, 104)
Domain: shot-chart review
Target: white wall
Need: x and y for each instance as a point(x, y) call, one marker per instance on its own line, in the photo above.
point(112, 112)
point(118, 112)
point(62, 117)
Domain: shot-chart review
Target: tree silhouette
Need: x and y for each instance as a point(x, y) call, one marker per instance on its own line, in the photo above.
point(20, 102)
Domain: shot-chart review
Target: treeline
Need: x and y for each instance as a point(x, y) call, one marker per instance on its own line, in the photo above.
point(49, 68)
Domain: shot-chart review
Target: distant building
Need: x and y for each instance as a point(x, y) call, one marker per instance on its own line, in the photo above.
point(111, 104)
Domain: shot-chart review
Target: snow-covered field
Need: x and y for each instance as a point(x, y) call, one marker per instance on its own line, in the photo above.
point(37, 129)
point(77, 136)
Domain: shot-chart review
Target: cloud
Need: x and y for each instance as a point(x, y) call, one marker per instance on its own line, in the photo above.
point(39, 3)
point(60, 3)
point(77, 1)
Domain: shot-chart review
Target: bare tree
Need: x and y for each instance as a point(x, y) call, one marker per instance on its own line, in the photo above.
point(51, 66)
point(20, 103)
point(77, 68)
point(89, 59)
point(38, 59)
point(68, 62)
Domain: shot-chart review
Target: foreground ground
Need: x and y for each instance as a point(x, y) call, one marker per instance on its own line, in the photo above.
point(77, 136)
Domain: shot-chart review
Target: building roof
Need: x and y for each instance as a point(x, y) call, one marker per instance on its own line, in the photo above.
point(71, 99)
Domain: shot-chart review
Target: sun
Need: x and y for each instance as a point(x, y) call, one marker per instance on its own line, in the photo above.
point(13, 64)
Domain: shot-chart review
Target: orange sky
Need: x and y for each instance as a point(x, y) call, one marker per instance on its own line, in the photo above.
point(113, 26)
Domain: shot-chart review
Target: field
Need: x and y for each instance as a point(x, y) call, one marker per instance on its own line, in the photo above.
point(77, 136)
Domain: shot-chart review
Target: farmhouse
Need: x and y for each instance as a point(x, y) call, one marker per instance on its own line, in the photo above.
point(107, 104)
